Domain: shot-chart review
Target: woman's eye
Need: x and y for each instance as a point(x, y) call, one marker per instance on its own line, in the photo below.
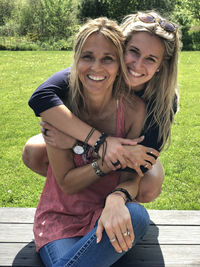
point(150, 59)
point(134, 51)
point(87, 57)
point(107, 59)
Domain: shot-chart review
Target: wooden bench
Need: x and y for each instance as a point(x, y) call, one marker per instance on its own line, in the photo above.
point(173, 239)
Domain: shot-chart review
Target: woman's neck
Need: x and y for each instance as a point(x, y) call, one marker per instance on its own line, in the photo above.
point(101, 113)
point(98, 104)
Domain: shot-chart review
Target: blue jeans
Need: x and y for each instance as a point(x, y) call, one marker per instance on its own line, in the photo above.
point(85, 252)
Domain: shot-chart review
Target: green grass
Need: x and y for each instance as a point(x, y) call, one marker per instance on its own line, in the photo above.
point(22, 72)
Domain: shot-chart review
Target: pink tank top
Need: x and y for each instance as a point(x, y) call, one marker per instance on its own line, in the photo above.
point(59, 215)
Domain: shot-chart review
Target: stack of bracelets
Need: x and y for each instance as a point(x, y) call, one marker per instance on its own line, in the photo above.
point(102, 141)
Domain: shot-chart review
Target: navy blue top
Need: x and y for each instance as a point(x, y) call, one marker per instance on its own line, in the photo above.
point(54, 91)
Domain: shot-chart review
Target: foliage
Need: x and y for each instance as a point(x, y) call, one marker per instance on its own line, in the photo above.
point(119, 8)
point(55, 22)
point(28, 43)
point(23, 72)
point(6, 8)
point(185, 16)
point(44, 18)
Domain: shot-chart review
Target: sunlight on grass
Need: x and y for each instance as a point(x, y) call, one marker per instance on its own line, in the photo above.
point(23, 72)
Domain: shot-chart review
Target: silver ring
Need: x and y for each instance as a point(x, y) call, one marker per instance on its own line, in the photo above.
point(45, 131)
point(146, 165)
point(115, 164)
point(113, 240)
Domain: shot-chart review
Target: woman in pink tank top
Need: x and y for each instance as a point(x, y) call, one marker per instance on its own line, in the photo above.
point(86, 215)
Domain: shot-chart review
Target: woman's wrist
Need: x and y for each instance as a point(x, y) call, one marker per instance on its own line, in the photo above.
point(116, 196)
point(95, 136)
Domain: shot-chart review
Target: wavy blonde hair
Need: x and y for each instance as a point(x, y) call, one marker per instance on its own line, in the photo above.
point(112, 32)
point(161, 89)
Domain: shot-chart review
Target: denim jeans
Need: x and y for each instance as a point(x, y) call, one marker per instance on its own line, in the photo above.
point(85, 252)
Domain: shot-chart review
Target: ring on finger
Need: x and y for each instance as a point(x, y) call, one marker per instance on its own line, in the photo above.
point(150, 150)
point(113, 240)
point(146, 165)
point(115, 164)
point(45, 131)
point(125, 233)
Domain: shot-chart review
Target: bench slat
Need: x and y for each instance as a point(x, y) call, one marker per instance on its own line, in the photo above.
point(173, 217)
point(165, 234)
point(173, 240)
point(20, 254)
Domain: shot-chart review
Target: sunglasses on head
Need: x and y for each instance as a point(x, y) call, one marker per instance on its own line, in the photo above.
point(148, 18)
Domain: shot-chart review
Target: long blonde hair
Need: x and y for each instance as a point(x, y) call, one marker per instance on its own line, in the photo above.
point(160, 91)
point(111, 31)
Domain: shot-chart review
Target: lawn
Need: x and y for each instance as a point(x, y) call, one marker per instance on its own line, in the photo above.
point(22, 72)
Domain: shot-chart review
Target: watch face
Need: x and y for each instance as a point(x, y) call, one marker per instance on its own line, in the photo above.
point(78, 149)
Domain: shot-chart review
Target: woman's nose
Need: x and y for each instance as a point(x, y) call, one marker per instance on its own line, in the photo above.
point(138, 63)
point(96, 65)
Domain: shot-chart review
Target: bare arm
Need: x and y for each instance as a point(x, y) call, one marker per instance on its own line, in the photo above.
point(115, 218)
point(64, 120)
point(71, 179)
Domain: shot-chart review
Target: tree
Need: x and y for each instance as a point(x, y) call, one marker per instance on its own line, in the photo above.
point(119, 8)
point(47, 18)
point(92, 9)
point(6, 7)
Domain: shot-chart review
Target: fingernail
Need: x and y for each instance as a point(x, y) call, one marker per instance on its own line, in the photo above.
point(98, 240)
point(120, 251)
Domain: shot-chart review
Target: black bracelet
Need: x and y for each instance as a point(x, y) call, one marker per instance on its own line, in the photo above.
point(99, 142)
point(128, 196)
point(89, 135)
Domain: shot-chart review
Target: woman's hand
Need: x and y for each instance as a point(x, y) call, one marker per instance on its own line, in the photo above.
point(117, 152)
point(141, 156)
point(56, 138)
point(116, 221)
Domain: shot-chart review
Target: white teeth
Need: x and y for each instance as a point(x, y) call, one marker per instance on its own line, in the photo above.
point(135, 73)
point(96, 78)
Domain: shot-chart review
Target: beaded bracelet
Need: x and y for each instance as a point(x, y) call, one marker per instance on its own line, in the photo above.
point(126, 193)
point(96, 168)
point(99, 142)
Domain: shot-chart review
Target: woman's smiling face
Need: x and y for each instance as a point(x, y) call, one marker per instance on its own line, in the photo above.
point(98, 65)
point(143, 56)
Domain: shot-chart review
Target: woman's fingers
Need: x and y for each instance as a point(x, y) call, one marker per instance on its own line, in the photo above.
point(99, 231)
point(150, 151)
point(121, 237)
point(139, 139)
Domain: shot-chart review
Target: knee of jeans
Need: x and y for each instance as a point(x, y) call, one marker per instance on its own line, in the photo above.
point(139, 217)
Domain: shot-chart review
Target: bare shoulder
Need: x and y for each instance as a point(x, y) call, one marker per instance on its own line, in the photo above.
point(135, 116)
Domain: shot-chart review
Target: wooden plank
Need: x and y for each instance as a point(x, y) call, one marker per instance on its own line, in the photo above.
point(172, 235)
point(16, 232)
point(175, 217)
point(19, 254)
point(23, 255)
point(161, 255)
point(163, 234)
point(17, 215)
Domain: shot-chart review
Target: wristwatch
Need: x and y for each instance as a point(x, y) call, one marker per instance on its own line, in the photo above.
point(78, 148)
